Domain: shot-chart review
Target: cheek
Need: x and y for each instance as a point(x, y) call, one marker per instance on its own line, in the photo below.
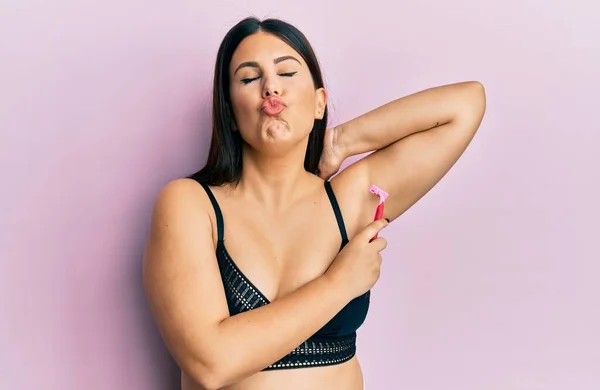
point(242, 104)
point(304, 114)
point(300, 90)
point(307, 102)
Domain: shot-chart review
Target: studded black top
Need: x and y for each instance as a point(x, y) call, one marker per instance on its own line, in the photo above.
point(334, 343)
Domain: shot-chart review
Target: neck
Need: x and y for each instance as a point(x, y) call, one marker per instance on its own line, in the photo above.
point(274, 181)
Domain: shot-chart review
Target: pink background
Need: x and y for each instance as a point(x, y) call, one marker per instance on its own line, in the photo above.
point(489, 282)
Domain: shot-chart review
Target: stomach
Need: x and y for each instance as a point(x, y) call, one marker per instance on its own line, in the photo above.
point(345, 376)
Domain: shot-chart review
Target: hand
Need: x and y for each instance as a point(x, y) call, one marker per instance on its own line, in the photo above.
point(356, 268)
point(332, 156)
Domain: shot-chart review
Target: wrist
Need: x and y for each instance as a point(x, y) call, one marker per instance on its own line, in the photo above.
point(343, 145)
point(337, 286)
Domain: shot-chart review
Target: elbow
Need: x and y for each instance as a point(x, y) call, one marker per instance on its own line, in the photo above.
point(206, 377)
point(472, 104)
point(477, 95)
point(480, 102)
point(211, 376)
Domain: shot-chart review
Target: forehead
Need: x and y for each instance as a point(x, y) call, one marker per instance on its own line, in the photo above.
point(262, 48)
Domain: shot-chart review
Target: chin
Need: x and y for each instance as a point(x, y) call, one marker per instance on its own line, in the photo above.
point(276, 130)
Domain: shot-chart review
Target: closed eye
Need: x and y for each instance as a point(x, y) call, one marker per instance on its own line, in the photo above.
point(251, 79)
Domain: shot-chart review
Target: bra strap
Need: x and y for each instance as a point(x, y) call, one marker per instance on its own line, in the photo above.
point(217, 209)
point(338, 213)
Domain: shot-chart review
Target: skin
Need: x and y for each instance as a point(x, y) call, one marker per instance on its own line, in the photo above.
point(280, 228)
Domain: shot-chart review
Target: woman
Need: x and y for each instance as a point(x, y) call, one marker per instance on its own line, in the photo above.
point(258, 267)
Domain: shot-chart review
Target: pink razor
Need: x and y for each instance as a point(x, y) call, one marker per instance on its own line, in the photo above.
point(382, 196)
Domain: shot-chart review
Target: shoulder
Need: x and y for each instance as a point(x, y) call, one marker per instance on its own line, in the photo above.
point(182, 208)
point(181, 196)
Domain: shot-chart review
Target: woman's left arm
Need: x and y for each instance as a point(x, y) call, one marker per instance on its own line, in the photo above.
point(416, 140)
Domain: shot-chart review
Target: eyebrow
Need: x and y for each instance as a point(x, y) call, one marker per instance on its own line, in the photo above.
point(253, 64)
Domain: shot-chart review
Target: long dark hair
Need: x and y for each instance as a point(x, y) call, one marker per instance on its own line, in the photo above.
point(224, 163)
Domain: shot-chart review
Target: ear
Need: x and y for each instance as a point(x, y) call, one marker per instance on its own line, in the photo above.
point(320, 103)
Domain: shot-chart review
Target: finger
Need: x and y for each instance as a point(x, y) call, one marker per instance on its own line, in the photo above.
point(373, 228)
point(379, 244)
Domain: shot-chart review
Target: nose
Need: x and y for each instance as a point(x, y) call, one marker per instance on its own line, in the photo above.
point(271, 86)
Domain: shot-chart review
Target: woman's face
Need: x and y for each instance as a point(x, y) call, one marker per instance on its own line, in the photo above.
point(262, 67)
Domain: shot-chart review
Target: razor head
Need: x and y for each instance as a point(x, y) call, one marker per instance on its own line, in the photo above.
point(379, 192)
